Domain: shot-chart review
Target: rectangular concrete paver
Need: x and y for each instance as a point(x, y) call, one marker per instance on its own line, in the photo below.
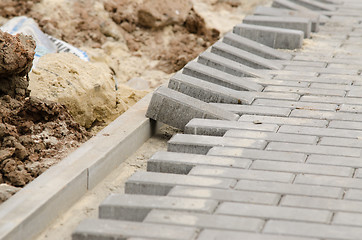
point(151, 183)
point(237, 55)
point(183, 108)
point(233, 235)
point(258, 154)
point(273, 212)
point(254, 47)
point(213, 75)
point(271, 136)
point(218, 128)
point(220, 172)
point(291, 189)
point(225, 65)
point(332, 181)
point(322, 203)
point(318, 169)
point(312, 230)
point(283, 120)
point(271, 36)
point(207, 91)
point(296, 23)
point(254, 109)
point(182, 163)
point(226, 195)
point(316, 149)
point(199, 144)
point(335, 160)
point(200, 220)
point(105, 229)
point(136, 207)
point(322, 132)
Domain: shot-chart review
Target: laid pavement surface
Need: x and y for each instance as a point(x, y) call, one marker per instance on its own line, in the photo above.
point(272, 138)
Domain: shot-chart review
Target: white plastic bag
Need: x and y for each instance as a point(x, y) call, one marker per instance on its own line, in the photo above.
point(44, 43)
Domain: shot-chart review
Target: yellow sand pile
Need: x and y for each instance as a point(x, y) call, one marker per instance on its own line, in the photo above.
point(87, 90)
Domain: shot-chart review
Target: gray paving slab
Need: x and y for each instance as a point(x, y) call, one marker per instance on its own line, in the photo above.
point(228, 66)
point(271, 136)
point(316, 149)
point(345, 125)
point(323, 70)
point(315, 5)
point(329, 99)
point(349, 219)
point(183, 108)
point(151, 183)
point(331, 86)
point(301, 113)
point(274, 95)
point(302, 63)
point(208, 234)
point(291, 189)
point(258, 154)
point(351, 108)
point(322, 203)
point(270, 36)
point(330, 79)
point(332, 141)
point(304, 168)
point(133, 207)
point(105, 229)
point(241, 56)
point(200, 220)
point(207, 91)
point(312, 230)
point(199, 144)
point(297, 23)
point(226, 195)
point(254, 47)
point(289, 73)
point(289, 5)
point(283, 120)
point(270, 11)
point(210, 74)
point(295, 104)
point(304, 91)
point(274, 212)
point(246, 174)
point(322, 132)
point(254, 109)
point(276, 82)
point(219, 127)
point(358, 173)
point(182, 163)
point(332, 181)
point(335, 160)
point(353, 194)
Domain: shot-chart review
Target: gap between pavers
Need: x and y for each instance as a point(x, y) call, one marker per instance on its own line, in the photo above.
point(38, 204)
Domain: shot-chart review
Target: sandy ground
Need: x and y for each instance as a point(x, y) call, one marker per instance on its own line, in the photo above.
point(87, 207)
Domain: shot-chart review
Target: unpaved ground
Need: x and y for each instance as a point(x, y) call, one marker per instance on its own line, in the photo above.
point(87, 207)
point(131, 44)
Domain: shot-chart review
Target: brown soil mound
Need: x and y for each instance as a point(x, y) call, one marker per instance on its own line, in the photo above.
point(16, 57)
point(31, 130)
point(31, 133)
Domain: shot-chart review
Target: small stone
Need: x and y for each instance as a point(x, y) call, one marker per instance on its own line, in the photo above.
point(6, 153)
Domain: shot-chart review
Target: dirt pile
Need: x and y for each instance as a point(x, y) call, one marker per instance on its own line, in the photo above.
point(16, 60)
point(11, 8)
point(34, 134)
